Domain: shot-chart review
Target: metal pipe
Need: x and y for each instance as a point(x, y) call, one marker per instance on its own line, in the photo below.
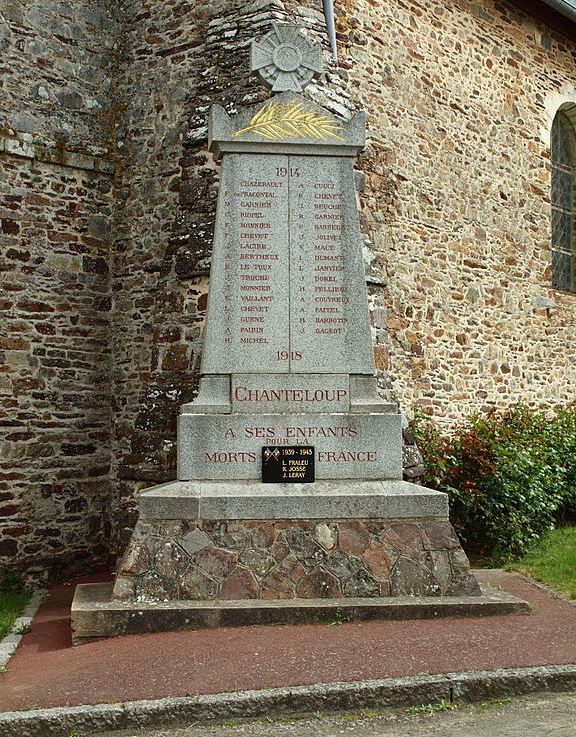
point(331, 26)
point(566, 7)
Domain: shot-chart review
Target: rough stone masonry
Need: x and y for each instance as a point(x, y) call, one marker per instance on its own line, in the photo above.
point(107, 197)
point(305, 559)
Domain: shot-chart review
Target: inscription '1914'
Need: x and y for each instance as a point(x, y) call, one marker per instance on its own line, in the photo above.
point(286, 171)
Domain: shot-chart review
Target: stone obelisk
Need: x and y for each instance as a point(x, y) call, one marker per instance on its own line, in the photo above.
point(288, 353)
point(288, 361)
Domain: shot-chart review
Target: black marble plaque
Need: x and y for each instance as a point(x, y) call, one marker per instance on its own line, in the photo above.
point(287, 464)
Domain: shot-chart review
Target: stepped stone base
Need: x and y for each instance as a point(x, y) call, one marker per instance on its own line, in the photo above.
point(96, 615)
point(233, 500)
point(348, 550)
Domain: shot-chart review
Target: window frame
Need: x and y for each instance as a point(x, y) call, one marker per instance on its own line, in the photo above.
point(563, 199)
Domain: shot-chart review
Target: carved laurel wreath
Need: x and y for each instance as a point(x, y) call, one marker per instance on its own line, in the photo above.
point(279, 121)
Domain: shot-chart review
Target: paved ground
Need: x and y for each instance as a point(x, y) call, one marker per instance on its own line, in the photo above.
point(540, 716)
point(47, 671)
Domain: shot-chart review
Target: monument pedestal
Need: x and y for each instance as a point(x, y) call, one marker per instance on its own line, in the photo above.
point(228, 554)
point(332, 539)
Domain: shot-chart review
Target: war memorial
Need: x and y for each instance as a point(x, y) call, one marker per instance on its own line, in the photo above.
point(289, 503)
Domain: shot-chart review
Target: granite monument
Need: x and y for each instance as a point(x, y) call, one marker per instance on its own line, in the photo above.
point(288, 379)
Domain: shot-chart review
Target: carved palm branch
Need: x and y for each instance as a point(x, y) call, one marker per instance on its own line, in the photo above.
point(282, 120)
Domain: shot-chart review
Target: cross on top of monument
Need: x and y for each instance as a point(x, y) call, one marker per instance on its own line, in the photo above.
point(285, 59)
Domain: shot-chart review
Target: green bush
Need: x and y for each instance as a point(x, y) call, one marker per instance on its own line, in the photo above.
point(510, 476)
point(11, 580)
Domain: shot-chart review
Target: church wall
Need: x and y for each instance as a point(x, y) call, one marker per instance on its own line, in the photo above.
point(454, 197)
point(54, 364)
point(56, 63)
point(460, 99)
point(55, 208)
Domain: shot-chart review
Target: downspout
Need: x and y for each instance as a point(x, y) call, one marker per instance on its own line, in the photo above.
point(330, 26)
point(566, 7)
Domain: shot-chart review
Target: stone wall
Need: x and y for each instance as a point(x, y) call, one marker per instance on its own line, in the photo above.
point(56, 63)
point(460, 99)
point(55, 303)
point(54, 363)
point(454, 196)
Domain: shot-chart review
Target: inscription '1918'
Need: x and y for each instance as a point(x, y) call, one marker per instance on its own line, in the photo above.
point(289, 355)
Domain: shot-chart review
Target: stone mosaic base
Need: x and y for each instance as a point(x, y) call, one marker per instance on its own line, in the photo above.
point(170, 560)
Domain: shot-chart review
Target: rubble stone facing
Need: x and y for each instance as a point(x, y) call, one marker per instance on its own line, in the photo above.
point(59, 59)
point(456, 201)
point(58, 154)
point(55, 414)
point(286, 559)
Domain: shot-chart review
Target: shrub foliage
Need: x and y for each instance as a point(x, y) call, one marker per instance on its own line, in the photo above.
point(510, 476)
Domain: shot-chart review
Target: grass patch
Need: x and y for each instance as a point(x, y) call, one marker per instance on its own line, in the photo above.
point(553, 560)
point(430, 708)
point(340, 617)
point(12, 604)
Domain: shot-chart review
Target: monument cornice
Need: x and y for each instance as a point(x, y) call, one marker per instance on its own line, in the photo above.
point(316, 133)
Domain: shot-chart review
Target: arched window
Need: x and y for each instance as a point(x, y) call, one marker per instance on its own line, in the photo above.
point(563, 145)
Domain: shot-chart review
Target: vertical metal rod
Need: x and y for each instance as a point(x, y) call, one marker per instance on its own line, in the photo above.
point(331, 26)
